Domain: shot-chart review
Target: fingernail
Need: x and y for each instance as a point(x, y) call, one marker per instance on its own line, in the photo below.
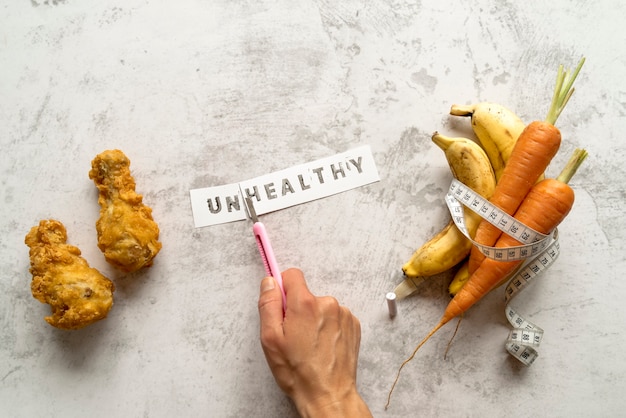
point(267, 284)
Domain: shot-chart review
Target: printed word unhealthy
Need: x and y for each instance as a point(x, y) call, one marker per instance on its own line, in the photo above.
point(285, 188)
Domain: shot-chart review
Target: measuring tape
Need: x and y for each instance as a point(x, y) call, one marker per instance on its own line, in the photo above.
point(538, 251)
point(534, 242)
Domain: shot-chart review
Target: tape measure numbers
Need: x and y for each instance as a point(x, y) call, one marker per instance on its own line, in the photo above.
point(534, 242)
point(538, 251)
point(525, 336)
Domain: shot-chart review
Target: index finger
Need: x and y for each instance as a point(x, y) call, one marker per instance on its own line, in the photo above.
point(295, 286)
point(270, 312)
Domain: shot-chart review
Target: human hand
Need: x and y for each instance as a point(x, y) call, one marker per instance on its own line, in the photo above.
point(313, 349)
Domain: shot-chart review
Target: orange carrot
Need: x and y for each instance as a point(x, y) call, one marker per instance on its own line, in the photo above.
point(543, 209)
point(533, 151)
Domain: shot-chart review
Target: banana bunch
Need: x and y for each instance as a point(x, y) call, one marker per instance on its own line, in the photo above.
point(478, 167)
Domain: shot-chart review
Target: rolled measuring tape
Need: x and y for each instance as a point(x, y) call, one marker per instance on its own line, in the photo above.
point(538, 251)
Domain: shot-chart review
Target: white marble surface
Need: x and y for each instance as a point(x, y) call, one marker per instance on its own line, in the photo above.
point(208, 93)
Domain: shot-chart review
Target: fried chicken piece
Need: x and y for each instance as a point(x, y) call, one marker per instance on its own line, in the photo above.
point(78, 294)
point(127, 234)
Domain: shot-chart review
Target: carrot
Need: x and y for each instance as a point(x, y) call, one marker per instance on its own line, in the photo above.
point(543, 209)
point(536, 146)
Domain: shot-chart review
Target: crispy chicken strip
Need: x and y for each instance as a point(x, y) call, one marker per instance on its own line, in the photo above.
point(127, 234)
point(78, 294)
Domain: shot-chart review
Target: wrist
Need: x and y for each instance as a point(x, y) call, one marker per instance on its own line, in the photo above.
point(349, 404)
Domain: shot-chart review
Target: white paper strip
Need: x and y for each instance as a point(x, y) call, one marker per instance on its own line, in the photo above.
point(281, 189)
point(217, 205)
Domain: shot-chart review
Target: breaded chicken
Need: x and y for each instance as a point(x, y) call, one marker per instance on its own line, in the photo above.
point(78, 294)
point(127, 234)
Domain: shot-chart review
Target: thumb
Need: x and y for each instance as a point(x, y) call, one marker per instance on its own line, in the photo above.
point(270, 307)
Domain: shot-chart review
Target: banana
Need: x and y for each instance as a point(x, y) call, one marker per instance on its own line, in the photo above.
point(470, 165)
point(497, 129)
point(460, 278)
point(443, 251)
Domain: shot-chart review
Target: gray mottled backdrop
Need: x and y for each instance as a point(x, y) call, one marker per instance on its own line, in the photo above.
point(201, 93)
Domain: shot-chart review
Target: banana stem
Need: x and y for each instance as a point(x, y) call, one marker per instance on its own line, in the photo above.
point(462, 110)
point(408, 286)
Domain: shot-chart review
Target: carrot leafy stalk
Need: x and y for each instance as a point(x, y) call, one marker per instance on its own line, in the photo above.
point(563, 90)
point(544, 208)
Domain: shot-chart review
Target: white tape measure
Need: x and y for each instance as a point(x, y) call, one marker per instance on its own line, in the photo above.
point(538, 250)
point(534, 242)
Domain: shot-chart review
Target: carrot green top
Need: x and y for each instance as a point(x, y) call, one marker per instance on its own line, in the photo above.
point(562, 91)
point(577, 158)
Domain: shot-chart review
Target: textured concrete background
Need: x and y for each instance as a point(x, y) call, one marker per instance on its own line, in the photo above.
point(208, 93)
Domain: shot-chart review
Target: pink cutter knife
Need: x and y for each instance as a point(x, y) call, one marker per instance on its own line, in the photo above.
point(265, 249)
